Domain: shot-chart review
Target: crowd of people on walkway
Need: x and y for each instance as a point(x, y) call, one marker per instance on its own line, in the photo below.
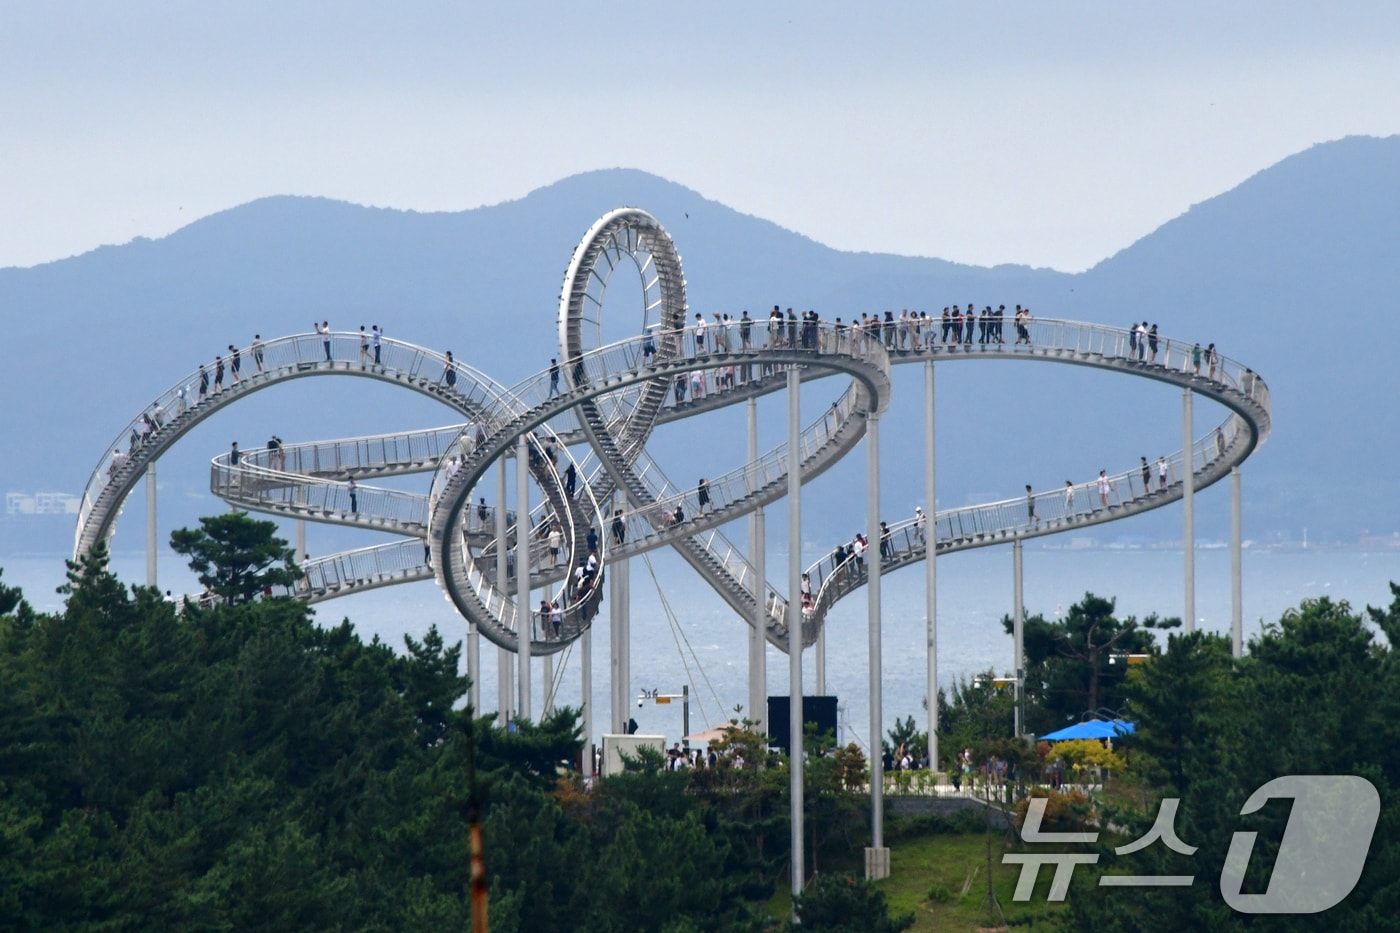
point(911, 330)
point(805, 330)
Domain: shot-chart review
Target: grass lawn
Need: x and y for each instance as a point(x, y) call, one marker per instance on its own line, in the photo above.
point(957, 866)
point(951, 862)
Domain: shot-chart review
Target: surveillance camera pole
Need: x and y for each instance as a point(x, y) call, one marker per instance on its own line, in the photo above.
point(1019, 630)
point(665, 698)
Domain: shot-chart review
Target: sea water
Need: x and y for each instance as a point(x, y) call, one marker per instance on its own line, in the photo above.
point(683, 634)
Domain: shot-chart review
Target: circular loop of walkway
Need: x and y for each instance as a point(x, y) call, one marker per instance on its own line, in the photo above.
point(1210, 459)
point(616, 367)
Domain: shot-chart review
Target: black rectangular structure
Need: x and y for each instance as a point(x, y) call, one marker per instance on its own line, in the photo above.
point(816, 711)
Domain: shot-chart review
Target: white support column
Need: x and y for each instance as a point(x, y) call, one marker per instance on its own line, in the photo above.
point(586, 675)
point(1188, 501)
point(796, 718)
point(524, 626)
point(151, 523)
point(473, 640)
point(301, 541)
point(1236, 574)
point(877, 856)
point(819, 663)
point(758, 629)
point(474, 666)
point(1018, 608)
point(621, 661)
point(547, 687)
point(930, 567)
point(505, 681)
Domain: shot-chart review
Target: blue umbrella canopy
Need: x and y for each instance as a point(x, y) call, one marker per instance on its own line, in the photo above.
point(1092, 729)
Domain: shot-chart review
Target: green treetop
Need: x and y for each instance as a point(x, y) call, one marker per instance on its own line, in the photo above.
point(237, 556)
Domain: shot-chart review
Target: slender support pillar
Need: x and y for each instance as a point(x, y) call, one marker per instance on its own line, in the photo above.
point(547, 688)
point(1188, 501)
point(758, 628)
point(1018, 608)
point(474, 667)
point(796, 718)
point(930, 565)
point(1236, 574)
point(151, 524)
point(505, 683)
point(877, 857)
point(301, 540)
point(685, 718)
point(819, 663)
point(621, 661)
point(525, 619)
point(586, 675)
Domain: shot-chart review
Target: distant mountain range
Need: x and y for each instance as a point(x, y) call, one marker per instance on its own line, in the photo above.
point(1292, 272)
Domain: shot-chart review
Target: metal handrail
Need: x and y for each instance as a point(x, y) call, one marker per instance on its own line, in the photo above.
point(368, 566)
point(179, 407)
point(269, 490)
point(501, 411)
point(1054, 509)
point(396, 452)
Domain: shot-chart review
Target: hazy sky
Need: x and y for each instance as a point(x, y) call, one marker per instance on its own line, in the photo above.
point(1048, 133)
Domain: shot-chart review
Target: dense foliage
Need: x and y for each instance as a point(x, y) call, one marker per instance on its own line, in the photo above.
point(1316, 694)
point(1076, 666)
point(238, 766)
point(241, 767)
point(236, 557)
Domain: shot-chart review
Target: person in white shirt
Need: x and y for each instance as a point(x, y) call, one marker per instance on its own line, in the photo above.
point(556, 541)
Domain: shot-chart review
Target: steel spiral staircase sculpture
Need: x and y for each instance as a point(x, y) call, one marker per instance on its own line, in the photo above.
point(597, 412)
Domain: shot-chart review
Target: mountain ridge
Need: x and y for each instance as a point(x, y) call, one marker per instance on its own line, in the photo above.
point(101, 332)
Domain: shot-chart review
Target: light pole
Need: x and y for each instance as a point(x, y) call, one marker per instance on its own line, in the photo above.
point(998, 683)
point(662, 699)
